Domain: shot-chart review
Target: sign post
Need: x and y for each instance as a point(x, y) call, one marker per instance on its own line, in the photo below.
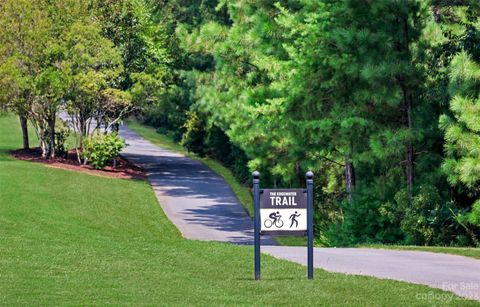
point(283, 212)
point(256, 226)
point(309, 176)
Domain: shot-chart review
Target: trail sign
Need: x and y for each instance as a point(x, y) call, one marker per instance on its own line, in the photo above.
point(287, 211)
point(283, 210)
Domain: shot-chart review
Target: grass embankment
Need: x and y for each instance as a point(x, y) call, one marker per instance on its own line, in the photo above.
point(241, 191)
point(69, 238)
point(461, 251)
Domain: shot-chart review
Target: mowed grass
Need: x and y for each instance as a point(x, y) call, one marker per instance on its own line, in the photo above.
point(68, 238)
point(460, 251)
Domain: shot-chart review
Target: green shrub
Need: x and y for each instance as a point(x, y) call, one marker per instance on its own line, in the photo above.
point(62, 131)
point(426, 218)
point(218, 146)
point(473, 217)
point(99, 149)
point(470, 221)
point(362, 221)
point(195, 132)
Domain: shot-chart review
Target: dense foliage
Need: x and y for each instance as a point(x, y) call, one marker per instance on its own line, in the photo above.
point(350, 89)
point(379, 98)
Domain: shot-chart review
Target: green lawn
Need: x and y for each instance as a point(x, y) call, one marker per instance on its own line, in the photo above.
point(69, 238)
point(461, 251)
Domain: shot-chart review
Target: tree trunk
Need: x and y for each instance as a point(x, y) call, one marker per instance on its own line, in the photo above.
point(409, 149)
point(51, 137)
point(82, 129)
point(43, 142)
point(349, 177)
point(24, 125)
point(436, 14)
point(407, 114)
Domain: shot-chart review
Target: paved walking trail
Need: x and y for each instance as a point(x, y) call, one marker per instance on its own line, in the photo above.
point(198, 201)
point(203, 207)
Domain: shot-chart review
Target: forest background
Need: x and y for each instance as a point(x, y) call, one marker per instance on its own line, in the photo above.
point(380, 99)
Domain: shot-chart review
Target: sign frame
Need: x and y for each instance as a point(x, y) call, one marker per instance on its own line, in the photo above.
point(282, 200)
point(257, 221)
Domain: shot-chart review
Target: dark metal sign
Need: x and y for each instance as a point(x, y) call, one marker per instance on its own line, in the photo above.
point(283, 210)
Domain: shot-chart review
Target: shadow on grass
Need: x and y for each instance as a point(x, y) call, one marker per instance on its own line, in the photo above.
point(266, 278)
point(5, 155)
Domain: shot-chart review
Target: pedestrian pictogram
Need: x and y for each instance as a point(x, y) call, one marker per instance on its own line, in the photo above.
point(293, 217)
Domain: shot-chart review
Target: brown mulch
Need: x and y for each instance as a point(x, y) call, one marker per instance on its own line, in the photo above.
point(124, 169)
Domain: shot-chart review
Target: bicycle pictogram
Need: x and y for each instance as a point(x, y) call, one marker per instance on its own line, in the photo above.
point(275, 219)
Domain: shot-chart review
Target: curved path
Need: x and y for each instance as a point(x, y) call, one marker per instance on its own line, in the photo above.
point(198, 201)
point(203, 207)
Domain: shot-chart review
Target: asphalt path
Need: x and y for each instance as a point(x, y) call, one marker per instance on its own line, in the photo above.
point(457, 274)
point(203, 207)
point(198, 201)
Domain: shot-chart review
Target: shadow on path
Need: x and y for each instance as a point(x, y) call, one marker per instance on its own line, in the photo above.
point(198, 201)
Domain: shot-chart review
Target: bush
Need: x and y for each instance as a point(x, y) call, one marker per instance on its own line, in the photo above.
point(470, 221)
point(195, 132)
point(219, 147)
point(426, 218)
point(239, 164)
point(363, 220)
point(62, 131)
point(99, 149)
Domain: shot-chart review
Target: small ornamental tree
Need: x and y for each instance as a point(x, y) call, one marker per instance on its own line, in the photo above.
point(93, 66)
point(115, 106)
point(23, 38)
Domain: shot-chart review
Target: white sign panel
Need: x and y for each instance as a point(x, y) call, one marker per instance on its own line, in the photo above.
point(283, 219)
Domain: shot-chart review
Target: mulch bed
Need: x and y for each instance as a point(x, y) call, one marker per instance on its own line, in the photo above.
point(124, 169)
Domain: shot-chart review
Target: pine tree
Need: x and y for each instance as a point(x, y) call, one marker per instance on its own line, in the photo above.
point(321, 85)
point(339, 87)
point(462, 130)
point(240, 95)
point(353, 98)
